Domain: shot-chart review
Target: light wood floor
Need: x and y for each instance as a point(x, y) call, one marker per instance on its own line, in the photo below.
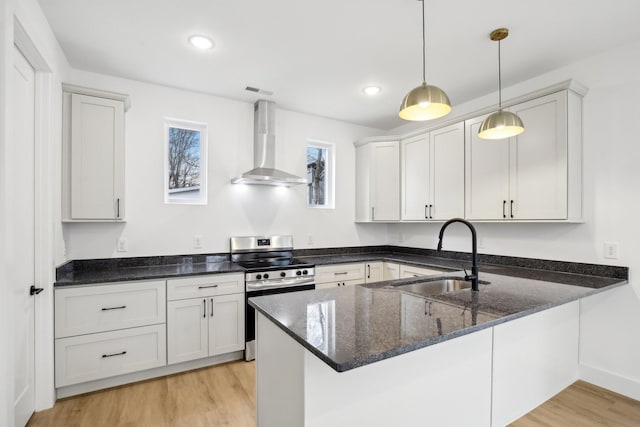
point(224, 395)
point(585, 405)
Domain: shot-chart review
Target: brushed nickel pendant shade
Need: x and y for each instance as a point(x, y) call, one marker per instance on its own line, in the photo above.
point(425, 102)
point(501, 124)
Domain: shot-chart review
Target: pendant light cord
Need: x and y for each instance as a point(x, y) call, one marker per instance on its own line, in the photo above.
point(499, 79)
point(424, 47)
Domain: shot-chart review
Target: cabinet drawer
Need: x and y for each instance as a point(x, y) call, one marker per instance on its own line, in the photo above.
point(338, 284)
point(100, 308)
point(340, 273)
point(95, 356)
point(411, 271)
point(205, 286)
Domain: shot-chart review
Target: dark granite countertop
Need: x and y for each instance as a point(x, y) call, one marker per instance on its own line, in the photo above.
point(357, 325)
point(111, 273)
point(83, 272)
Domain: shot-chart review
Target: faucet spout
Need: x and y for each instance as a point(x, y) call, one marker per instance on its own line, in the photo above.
point(473, 277)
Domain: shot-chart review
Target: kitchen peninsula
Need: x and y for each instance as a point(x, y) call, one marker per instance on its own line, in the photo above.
point(379, 354)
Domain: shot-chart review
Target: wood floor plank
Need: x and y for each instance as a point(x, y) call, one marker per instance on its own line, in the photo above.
point(586, 405)
point(224, 395)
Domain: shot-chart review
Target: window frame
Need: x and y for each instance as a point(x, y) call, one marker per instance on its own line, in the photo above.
point(203, 129)
point(330, 162)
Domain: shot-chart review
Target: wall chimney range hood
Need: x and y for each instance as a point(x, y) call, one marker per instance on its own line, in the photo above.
point(264, 143)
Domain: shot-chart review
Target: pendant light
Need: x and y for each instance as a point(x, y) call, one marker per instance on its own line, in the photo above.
point(501, 124)
point(424, 102)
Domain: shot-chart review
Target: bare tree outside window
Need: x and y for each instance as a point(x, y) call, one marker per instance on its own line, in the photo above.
point(316, 175)
point(184, 158)
point(320, 181)
point(185, 162)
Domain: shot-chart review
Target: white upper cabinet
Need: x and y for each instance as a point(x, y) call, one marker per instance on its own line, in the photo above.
point(93, 155)
point(449, 172)
point(533, 176)
point(432, 175)
point(378, 181)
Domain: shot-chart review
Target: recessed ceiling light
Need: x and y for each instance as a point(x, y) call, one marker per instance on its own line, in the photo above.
point(201, 42)
point(371, 90)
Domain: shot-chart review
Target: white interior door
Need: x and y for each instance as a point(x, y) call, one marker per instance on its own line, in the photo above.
point(20, 262)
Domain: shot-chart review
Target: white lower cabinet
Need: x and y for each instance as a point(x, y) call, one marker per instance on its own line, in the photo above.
point(329, 276)
point(95, 356)
point(104, 330)
point(374, 272)
point(391, 271)
point(209, 325)
point(412, 271)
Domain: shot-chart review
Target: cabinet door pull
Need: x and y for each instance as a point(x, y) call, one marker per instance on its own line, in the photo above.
point(511, 209)
point(208, 286)
point(339, 273)
point(211, 307)
point(113, 308)
point(373, 213)
point(122, 353)
point(504, 205)
point(426, 215)
point(430, 212)
point(118, 207)
point(204, 308)
point(368, 271)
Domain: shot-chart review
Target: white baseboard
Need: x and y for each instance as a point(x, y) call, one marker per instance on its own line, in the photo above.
point(90, 386)
point(610, 381)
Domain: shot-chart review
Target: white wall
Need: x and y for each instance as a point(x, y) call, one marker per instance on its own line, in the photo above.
point(609, 341)
point(154, 228)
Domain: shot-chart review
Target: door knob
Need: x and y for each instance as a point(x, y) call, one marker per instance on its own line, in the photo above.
point(35, 291)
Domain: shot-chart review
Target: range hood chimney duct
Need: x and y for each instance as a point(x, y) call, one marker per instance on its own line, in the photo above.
point(264, 144)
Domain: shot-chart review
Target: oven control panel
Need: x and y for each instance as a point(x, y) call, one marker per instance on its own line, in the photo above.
point(292, 273)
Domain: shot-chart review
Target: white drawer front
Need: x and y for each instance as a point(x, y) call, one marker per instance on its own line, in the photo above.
point(204, 286)
point(94, 356)
point(338, 284)
point(340, 272)
point(411, 271)
point(100, 308)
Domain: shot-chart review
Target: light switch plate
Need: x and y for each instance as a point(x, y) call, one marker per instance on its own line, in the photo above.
point(197, 241)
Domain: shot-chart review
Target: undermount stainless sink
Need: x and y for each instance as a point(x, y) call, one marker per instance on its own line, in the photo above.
point(437, 286)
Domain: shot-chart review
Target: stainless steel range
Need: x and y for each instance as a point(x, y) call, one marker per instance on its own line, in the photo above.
point(270, 269)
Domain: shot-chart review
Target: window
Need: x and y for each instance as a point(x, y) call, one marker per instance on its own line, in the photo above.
point(320, 174)
point(185, 162)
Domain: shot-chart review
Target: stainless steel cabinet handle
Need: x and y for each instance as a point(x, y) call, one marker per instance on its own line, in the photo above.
point(211, 307)
point(368, 271)
point(373, 213)
point(208, 286)
point(430, 211)
point(511, 209)
point(504, 205)
point(204, 308)
point(113, 308)
point(122, 353)
point(426, 215)
point(342, 272)
point(118, 207)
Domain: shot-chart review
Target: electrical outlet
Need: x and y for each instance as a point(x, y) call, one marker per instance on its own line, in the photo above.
point(310, 239)
point(197, 241)
point(611, 250)
point(122, 245)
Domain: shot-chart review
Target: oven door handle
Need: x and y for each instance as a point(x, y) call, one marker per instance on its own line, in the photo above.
point(280, 283)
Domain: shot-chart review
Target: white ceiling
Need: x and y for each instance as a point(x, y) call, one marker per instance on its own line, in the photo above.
point(318, 56)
